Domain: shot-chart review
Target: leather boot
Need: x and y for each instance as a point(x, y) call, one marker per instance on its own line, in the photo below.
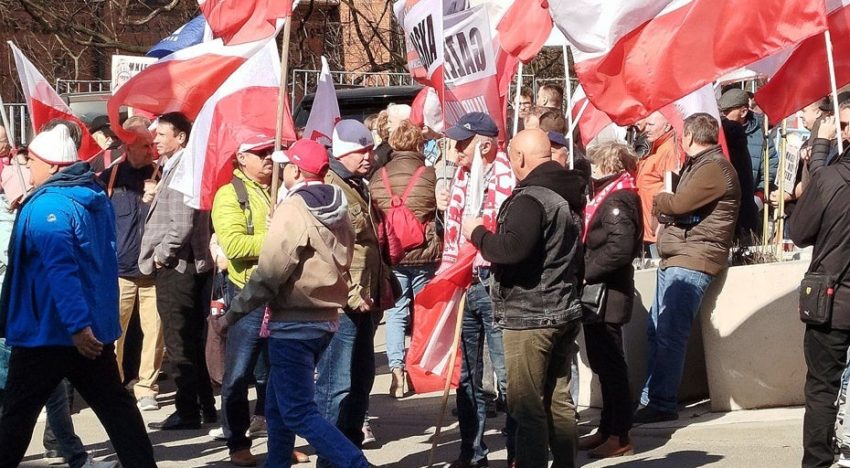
point(613, 447)
point(591, 441)
point(243, 457)
point(299, 457)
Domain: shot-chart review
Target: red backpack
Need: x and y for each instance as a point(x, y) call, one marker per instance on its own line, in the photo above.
point(399, 220)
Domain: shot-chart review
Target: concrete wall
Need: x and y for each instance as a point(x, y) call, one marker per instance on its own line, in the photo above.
point(745, 350)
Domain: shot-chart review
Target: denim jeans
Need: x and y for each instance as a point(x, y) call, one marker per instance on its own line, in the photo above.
point(471, 402)
point(842, 422)
point(678, 295)
point(539, 394)
point(346, 372)
point(244, 348)
point(291, 408)
point(412, 279)
point(62, 428)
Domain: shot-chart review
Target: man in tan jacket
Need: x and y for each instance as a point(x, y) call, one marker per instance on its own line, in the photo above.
point(303, 277)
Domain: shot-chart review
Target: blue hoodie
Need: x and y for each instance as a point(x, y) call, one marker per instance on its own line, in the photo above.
point(63, 269)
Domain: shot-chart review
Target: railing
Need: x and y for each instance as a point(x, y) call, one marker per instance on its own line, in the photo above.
point(19, 122)
point(83, 86)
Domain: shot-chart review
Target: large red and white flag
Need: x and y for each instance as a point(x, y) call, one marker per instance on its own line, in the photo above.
point(45, 104)
point(435, 310)
point(182, 81)
point(591, 121)
point(804, 76)
point(325, 111)
point(239, 109)
point(636, 56)
point(241, 21)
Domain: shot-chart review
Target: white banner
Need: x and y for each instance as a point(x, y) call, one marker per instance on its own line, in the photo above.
point(125, 67)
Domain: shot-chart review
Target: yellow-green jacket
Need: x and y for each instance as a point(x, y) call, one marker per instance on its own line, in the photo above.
point(231, 227)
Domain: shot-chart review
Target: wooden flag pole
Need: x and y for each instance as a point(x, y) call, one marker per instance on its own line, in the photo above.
point(765, 174)
point(516, 98)
point(831, 61)
point(780, 196)
point(284, 72)
point(448, 386)
point(569, 89)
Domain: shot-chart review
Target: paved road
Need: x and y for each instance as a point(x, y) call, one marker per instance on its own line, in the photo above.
point(746, 439)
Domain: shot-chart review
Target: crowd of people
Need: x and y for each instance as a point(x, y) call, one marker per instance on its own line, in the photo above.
point(300, 284)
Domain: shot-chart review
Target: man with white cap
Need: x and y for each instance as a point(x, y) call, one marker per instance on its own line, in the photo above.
point(347, 369)
point(303, 277)
point(59, 308)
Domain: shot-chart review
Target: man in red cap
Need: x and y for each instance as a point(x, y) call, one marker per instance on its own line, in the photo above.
point(303, 277)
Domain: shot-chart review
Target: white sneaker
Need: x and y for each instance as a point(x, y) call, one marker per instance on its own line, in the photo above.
point(368, 436)
point(844, 457)
point(92, 463)
point(258, 428)
point(147, 403)
point(217, 434)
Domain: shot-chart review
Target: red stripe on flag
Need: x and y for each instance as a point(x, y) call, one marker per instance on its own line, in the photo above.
point(804, 78)
point(434, 318)
point(680, 51)
point(42, 113)
point(172, 86)
point(241, 21)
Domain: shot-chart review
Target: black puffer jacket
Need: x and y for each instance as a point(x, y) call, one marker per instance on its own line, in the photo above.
point(614, 239)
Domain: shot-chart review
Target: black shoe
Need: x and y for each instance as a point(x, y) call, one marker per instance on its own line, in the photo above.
point(209, 415)
point(176, 423)
point(648, 415)
point(469, 464)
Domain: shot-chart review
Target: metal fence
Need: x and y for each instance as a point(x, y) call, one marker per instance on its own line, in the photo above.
point(83, 86)
point(19, 122)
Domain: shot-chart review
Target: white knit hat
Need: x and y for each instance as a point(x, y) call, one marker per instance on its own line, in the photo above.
point(350, 136)
point(54, 146)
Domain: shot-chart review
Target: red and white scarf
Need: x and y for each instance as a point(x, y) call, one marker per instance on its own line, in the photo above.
point(498, 189)
point(624, 182)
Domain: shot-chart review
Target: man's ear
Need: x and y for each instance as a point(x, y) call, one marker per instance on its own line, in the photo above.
point(181, 137)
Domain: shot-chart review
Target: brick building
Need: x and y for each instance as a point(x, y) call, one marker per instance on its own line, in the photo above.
point(355, 35)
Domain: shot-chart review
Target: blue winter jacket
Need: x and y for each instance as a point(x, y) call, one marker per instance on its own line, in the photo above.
point(63, 269)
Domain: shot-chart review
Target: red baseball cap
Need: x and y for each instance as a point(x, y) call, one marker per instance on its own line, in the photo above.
point(308, 155)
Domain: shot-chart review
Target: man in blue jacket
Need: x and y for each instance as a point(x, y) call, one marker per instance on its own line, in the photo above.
point(59, 308)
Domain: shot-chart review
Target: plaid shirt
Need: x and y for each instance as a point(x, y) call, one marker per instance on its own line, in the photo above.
point(175, 234)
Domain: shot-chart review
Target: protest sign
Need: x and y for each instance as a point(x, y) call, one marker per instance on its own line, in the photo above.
point(125, 67)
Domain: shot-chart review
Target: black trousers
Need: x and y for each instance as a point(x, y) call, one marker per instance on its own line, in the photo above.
point(604, 344)
point(34, 373)
point(183, 301)
point(826, 357)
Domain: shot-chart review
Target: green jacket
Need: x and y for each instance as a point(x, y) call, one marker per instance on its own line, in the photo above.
point(231, 226)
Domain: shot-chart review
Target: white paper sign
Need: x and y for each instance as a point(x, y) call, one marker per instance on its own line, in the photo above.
point(125, 67)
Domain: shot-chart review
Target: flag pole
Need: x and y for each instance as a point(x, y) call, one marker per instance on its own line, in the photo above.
point(569, 88)
point(780, 197)
point(516, 98)
point(572, 130)
point(765, 173)
point(831, 61)
point(284, 72)
point(450, 372)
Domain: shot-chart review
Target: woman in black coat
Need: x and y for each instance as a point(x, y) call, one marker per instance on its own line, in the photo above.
point(613, 238)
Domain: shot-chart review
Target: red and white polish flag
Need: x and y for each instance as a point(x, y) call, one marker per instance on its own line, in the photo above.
point(241, 21)
point(422, 23)
point(592, 121)
point(239, 109)
point(636, 56)
point(182, 81)
point(324, 114)
point(45, 104)
point(804, 77)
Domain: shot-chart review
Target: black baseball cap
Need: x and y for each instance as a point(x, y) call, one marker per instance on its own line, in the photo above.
point(474, 123)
